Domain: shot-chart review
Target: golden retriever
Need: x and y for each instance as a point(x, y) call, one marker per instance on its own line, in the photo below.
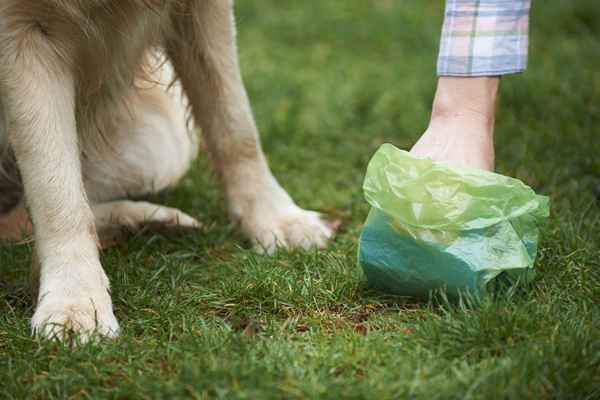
point(94, 104)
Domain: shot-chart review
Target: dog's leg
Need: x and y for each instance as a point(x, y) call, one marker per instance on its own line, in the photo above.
point(115, 220)
point(205, 57)
point(149, 145)
point(39, 96)
point(150, 150)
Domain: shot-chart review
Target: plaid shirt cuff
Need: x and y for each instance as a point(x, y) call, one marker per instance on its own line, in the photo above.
point(484, 37)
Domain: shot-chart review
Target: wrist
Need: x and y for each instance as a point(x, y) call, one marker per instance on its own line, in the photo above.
point(466, 98)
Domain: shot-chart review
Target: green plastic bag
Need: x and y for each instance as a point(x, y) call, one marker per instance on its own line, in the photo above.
point(436, 226)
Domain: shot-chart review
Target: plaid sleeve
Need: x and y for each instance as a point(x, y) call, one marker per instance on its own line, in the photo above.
point(484, 37)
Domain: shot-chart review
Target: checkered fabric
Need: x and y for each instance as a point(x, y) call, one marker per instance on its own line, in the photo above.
point(484, 37)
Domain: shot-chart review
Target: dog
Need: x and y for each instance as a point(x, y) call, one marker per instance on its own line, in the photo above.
point(99, 102)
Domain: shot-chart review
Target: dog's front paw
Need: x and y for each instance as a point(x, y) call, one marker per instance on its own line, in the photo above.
point(61, 314)
point(290, 228)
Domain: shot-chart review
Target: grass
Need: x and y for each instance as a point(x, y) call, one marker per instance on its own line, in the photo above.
point(204, 317)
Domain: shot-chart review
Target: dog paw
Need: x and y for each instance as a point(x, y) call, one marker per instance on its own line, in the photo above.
point(62, 315)
point(293, 228)
point(116, 219)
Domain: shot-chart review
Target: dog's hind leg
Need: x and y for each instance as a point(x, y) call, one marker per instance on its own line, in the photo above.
point(38, 92)
point(204, 54)
point(115, 220)
point(148, 148)
point(144, 145)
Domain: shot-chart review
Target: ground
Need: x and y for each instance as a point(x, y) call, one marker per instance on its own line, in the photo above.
point(204, 317)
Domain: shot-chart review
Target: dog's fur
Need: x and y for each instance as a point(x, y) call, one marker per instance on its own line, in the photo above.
point(94, 110)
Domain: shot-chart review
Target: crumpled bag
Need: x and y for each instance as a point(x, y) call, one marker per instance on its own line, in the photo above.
point(436, 226)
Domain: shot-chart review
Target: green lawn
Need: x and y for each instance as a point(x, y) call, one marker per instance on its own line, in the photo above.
point(330, 80)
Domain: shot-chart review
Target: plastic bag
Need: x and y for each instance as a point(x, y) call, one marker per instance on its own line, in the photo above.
point(436, 226)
